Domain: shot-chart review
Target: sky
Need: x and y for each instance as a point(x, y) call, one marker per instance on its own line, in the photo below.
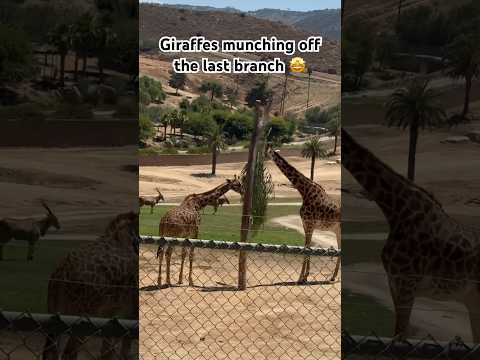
point(249, 5)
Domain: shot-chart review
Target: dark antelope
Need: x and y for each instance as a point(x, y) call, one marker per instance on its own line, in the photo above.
point(28, 229)
point(150, 200)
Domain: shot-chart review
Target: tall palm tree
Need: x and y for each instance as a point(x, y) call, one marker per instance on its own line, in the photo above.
point(215, 88)
point(414, 107)
point(61, 38)
point(463, 56)
point(313, 149)
point(334, 125)
point(217, 143)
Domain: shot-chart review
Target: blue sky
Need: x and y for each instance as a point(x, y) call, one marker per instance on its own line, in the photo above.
point(247, 5)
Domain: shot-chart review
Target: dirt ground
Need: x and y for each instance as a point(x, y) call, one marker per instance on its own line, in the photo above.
point(85, 187)
point(273, 319)
point(175, 182)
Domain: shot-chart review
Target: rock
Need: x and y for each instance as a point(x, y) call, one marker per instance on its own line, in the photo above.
point(456, 140)
point(474, 136)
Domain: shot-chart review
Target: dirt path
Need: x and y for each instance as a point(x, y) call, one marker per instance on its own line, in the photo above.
point(443, 320)
point(321, 239)
point(272, 319)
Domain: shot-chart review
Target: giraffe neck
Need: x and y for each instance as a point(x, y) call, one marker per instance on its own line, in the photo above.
point(392, 192)
point(199, 201)
point(298, 180)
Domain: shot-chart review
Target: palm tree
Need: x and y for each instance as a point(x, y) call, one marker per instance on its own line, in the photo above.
point(310, 71)
point(334, 125)
point(313, 149)
point(463, 55)
point(217, 143)
point(214, 87)
point(165, 121)
point(61, 37)
point(414, 107)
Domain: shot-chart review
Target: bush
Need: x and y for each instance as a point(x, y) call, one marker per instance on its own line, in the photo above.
point(280, 130)
point(238, 126)
point(145, 128)
point(127, 108)
point(150, 90)
point(199, 124)
point(27, 111)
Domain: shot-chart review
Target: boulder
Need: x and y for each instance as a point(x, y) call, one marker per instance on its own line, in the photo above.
point(456, 140)
point(474, 136)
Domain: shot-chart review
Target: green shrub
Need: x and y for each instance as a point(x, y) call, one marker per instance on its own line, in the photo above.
point(203, 149)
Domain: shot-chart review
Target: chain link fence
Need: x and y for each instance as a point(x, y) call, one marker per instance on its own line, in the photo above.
point(45, 336)
point(275, 317)
point(382, 348)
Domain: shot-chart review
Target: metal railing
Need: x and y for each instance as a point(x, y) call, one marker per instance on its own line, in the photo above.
point(275, 317)
point(25, 335)
point(382, 348)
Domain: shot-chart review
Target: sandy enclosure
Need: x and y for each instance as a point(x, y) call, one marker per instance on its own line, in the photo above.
point(176, 182)
point(273, 319)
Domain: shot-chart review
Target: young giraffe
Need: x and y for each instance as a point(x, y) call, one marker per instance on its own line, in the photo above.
point(183, 221)
point(427, 252)
point(100, 279)
point(318, 210)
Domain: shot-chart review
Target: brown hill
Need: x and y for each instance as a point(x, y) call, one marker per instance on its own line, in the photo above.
point(157, 21)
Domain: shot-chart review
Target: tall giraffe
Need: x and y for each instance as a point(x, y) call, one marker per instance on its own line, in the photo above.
point(99, 279)
point(183, 221)
point(427, 252)
point(318, 210)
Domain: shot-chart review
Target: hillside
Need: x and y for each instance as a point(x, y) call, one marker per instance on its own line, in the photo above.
point(382, 11)
point(157, 21)
point(324, 22)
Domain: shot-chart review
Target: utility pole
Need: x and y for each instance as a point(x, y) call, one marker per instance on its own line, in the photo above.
point(261, 115)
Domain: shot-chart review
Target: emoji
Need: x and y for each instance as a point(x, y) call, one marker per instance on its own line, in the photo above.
point(297, 64)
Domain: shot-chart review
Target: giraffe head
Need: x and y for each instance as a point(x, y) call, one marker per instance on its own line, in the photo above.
point(123, 229)
point(235, 185)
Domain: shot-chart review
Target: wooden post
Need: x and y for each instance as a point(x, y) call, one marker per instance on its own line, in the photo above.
point(260, 117)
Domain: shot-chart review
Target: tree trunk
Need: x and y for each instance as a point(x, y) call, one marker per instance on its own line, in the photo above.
point(412, 151)
point(214, 160)
point(312, 168)
point(75, 71)
point(335, 145)
point(308, 91)
point(62, 69)
point(165, 131)
point(176, 92)
point(84, 65)
point(211, 97)
point(247, 197)
point(468, 88)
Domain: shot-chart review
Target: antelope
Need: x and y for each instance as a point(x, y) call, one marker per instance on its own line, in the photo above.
point(151, 201)
point(28, 229)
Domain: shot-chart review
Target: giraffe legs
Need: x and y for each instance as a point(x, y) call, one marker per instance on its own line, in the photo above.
point(308, 227)
point(338, 235)
point(168, 256)
point(50, 350)
point(184, 255)
point(474, 315)
point(160, 252)
point(190, 269)
point(71, 349)
point(403, 294)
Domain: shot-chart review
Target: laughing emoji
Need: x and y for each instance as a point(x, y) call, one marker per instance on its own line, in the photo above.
point(297, 64)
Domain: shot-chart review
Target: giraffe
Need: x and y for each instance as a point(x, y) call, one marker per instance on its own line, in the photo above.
point(427, 252)
point(318, 210)
point(99, 279)
point(183, 221)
